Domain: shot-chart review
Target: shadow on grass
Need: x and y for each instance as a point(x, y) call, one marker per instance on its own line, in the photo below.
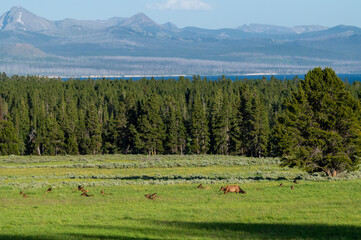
point(181, 177)
point(156, 229)
point(273, 230)
point(69, 236)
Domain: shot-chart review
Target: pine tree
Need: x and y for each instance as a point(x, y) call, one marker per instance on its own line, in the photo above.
point(236, 121)
point(320, 129)
point(117, 134)
point(220, 124)
point(91, 139)
point(151, 129)
point(52, 138)
point(9, 142)
point(255, 128)
point(175, 130)
point(199, 127)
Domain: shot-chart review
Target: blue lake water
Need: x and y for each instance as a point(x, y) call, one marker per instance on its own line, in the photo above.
point(349, 77)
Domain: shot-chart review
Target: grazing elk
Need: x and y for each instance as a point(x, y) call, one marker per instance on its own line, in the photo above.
point(232, 188)
point(281, 185)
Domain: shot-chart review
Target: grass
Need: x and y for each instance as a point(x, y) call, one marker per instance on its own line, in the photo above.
point(323, 209)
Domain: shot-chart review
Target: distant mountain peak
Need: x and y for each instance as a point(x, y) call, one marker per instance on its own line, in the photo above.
point(139, 19)
point(19, 18)
point(18, 9)
point(170, 25)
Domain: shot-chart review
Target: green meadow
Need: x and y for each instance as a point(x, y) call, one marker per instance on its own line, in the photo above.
point(317, 208)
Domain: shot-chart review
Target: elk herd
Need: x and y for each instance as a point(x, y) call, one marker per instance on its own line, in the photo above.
point(226, 189)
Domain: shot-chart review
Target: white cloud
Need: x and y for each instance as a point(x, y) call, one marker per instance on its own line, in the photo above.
point(182, 5)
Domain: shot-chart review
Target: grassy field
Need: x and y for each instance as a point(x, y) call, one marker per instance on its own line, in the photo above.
point(317, 208)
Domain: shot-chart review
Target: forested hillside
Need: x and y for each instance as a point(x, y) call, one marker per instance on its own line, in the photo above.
point(178, 116)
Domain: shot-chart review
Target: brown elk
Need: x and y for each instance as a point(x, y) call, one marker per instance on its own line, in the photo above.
point(200, 186)
point(86, 195)
point(295, 181)
point(151, 196)
point(292, 187)
point(232, 188)
point(103, 193)
point(49, 190)
point(24, 195)
point(80, 188)
point(281, 185)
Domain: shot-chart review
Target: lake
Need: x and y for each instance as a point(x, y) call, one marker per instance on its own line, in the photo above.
point(349, 77)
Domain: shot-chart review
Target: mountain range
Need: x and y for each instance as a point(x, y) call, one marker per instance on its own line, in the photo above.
point(137, 45)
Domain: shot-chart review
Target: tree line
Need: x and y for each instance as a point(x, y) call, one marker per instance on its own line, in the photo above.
point(45, 116)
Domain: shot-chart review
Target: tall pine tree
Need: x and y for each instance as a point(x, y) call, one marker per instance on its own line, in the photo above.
point(151, 129)
point(320, 129)
point(199, 127)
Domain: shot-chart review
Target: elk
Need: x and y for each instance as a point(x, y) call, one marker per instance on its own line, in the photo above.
point(86, 195)
point(49, 190)
point(295, 181)
point(24, 195)
point(281, 185)
point(292, 187)
point(151, 196)
point(80, 188)
point(103, 193)
point(232, 188)
point(200, 186)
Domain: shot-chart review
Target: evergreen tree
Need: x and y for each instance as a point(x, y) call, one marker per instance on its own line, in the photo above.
point(52, 138)
point(151, 130)
point(255, 128)
point(175, 130)
point(320, 129)
point(91, 140)
point(220, 124)
point(199, 127)
point(117, 135)
point(236, 121)
point(9, 142)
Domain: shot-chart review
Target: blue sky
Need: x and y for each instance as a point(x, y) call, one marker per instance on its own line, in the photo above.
point(202, 13)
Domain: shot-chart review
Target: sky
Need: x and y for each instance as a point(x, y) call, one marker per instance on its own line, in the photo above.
point(210, 14)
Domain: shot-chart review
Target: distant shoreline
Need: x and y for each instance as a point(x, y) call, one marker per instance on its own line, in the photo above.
point(350, 77)
point(167, 76)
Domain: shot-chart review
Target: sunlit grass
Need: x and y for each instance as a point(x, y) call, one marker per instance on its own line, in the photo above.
point(313, 210)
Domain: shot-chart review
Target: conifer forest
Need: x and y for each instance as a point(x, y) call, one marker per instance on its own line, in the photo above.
point(42, 116)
